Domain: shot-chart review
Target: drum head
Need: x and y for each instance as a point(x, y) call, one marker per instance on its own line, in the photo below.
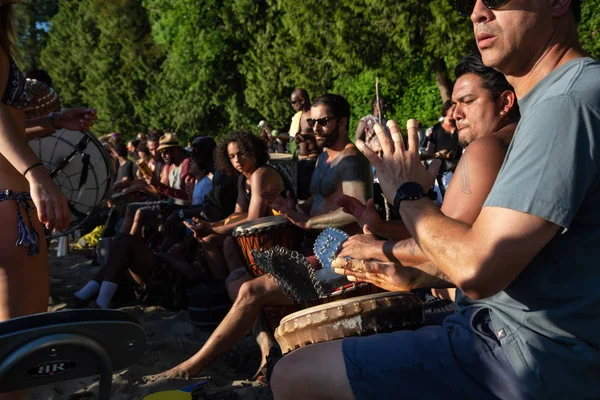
point(358, 316)
point(280, 157)
point(265, 223)
point(81, 167)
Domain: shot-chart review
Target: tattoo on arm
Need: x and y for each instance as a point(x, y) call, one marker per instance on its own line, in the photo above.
point(413, 244)
point(465, 182)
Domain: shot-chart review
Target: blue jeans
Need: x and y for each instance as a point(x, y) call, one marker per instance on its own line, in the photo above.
point(462, 359)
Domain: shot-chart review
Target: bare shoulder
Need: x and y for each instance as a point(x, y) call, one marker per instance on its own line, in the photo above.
point(490, 146)
point(352, 156)
point(265, 174)
point(498, 141)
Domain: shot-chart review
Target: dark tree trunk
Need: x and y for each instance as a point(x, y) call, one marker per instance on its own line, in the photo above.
point(442, 79)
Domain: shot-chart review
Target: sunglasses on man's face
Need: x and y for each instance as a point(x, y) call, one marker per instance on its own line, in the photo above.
point(321, 121)
point(466, 7)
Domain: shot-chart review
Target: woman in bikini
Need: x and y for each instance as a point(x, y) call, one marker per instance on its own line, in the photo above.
point(27, 195)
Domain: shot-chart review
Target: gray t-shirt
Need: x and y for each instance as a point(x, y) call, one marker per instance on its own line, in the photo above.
point(548, 318)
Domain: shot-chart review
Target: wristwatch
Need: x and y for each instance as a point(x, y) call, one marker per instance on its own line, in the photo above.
point(408, 191)
point(181, 214)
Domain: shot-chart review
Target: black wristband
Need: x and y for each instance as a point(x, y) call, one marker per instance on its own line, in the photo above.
point(32, 167)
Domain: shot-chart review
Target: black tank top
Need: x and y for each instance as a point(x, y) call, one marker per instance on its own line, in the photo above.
point(15, 94)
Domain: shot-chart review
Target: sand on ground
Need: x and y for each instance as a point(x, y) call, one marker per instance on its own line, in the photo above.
point(170, 340)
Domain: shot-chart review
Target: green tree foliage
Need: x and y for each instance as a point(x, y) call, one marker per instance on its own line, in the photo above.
point(211, 66)
point(31, 29)
point(589, 29)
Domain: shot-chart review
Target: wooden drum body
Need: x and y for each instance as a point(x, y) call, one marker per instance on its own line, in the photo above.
point(357, 316)
point(286, 164)
point(262, 234)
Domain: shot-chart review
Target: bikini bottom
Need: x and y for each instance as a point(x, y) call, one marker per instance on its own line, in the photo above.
point(26, 235)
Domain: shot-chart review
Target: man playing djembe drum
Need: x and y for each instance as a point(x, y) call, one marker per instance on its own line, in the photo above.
point(527, 319)
point(486, 115)
point(341, 169)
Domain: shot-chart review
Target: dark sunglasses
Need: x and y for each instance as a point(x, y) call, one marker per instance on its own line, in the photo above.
point(294, 102)
point(321, 121)
point(465, 7)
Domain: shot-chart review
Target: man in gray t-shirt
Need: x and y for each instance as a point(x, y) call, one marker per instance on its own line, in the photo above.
point(526, 270)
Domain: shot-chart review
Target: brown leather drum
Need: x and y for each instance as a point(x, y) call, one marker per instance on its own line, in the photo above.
point(275, 313)
point(262, 234)
point(357, 316)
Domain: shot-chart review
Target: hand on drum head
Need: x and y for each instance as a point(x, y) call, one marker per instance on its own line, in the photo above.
point(365, 215)
point(400, 164)
point(75, 119)
point(386, 275)
point(279, 201)
point(52, 206)
point(296, 217)
point(362, 247)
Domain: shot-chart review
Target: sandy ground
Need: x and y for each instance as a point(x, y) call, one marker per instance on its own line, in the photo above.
point(171, 339)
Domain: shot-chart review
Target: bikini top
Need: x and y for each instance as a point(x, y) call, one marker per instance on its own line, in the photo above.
point(15, 93)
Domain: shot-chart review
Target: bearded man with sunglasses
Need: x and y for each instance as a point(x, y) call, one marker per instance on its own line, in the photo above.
point(527, 316)
point(341, 169)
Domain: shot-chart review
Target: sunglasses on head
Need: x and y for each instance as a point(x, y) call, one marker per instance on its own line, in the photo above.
point(321, 121)
point(465, 7)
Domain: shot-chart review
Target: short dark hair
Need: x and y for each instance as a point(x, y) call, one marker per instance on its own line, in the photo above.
point(495, 82)
point(134, 143)
point(120, 149)
point(142, 148)
point(203, 149)
point(39, 75)
point(337, 104)
point(153, 137)
point(303, 94)
point(251, 146)
point(446, 106)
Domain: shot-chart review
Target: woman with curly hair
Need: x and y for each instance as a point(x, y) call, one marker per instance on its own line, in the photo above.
point(246, 154)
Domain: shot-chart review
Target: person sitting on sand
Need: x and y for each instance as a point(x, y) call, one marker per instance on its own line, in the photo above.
point(246, 154)
point(130, 254)
point(341, 169)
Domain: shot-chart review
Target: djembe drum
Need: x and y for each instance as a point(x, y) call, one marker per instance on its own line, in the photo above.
point(356, 316)
point(262, 234)
point(44, 99)
point(287, 165)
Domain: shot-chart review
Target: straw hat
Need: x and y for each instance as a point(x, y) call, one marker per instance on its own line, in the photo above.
point(167, 140)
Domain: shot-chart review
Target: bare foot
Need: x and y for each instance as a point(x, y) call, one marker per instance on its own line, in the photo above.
point(174, 373)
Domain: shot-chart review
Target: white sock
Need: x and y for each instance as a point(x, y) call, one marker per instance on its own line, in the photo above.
point(88, 291)
point(107, 291)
